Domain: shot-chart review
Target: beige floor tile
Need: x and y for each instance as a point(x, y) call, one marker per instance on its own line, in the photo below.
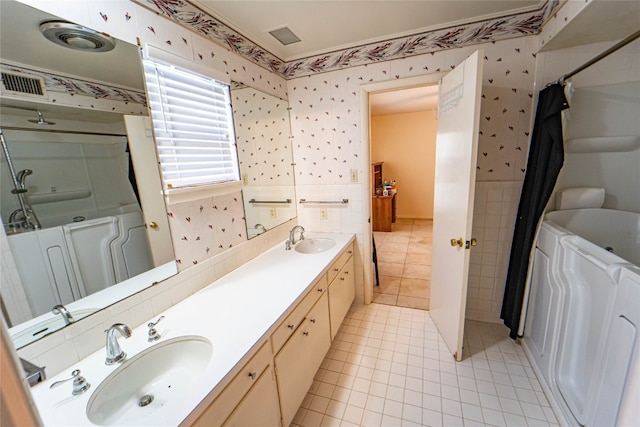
point(400, 237)
point(415, 288)
point(404, 263)
point(393, 257)
point(388, 285)
point(421, 259)
point(421, 238)
point(380, 236)
point(390, 269)
point(388, 299)
point(392, 247)
point(416, 271)
point(413, 302)
point(419, 248)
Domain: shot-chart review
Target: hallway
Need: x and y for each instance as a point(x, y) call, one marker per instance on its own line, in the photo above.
point(404, 264)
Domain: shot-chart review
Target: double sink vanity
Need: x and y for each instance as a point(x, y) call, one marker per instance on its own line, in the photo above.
point(242, 351)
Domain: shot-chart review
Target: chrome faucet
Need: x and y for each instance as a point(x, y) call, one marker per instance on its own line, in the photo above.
point(62, 310)
point(292, 236)
point(80, 384)
point(114, 353)
point(153, 335)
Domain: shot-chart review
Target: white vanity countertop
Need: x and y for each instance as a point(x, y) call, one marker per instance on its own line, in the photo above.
point(234, 313)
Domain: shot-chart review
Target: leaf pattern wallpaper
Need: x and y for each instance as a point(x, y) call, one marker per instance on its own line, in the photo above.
point(206, 227)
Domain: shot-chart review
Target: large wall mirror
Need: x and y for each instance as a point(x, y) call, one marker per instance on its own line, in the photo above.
point(87, 242)
point(263, 135)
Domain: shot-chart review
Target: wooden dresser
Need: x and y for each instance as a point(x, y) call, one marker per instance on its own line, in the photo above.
point(383, 212)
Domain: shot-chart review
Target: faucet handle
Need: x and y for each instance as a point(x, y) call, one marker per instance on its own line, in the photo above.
point(153, 332)
point(80, 385)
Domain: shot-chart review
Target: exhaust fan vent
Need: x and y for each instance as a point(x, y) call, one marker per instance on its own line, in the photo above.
point(19, 84)
point(285, 36)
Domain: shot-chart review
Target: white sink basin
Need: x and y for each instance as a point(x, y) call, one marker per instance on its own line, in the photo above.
point(150, 388)
point(315, 246)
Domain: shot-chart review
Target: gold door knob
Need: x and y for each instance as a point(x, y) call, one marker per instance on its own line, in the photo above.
point(474, 241)
point(153, 225)
point(457, 242)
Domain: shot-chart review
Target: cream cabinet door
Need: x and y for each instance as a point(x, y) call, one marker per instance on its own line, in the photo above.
point(297, 362)
point(259, 407)
point(341, 294)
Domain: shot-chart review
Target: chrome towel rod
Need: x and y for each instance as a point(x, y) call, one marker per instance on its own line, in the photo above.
point(337, 202)
point(270, 201)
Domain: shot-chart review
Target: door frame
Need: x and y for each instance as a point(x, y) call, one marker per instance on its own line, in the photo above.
point(365, 155)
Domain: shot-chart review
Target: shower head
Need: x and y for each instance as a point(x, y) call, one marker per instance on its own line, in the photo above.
point(41, 120)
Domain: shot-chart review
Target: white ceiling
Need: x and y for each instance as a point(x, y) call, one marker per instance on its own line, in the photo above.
point(404, 101)
point(325, 26)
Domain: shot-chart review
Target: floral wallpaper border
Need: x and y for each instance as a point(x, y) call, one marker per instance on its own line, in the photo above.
point(517, 25)
point(65, 84)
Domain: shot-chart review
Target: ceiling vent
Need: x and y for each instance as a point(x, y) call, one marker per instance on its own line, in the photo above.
point(285, 36)
point(20, 84)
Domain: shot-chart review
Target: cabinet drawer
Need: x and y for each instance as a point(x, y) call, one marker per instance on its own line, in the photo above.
point(229, 398)
point(293, 320)
point(337, 264)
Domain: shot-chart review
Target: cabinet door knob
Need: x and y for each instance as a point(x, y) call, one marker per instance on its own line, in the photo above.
point(312, 320)
point(346, 272)
point(153, 225)
point(291, 326)
point(320, 290)
point(350, 252)
point(252, 375)
point(335, 269)
point(305, 333)
point(342, 278)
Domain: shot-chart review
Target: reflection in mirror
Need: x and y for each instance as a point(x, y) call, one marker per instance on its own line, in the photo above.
point(263, 136)
point(69, 201)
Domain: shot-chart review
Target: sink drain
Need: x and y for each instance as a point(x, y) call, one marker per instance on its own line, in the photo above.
point(145, 400)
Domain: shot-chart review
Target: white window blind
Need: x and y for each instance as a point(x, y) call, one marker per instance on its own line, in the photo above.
point(192, 125)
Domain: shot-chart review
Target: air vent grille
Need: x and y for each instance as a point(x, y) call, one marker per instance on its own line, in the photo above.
point(21, 84)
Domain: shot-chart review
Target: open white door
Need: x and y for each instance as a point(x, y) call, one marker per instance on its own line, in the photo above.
point(456, 158)
point(145, 163)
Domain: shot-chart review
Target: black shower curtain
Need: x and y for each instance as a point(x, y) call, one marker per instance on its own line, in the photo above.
point(546, 155)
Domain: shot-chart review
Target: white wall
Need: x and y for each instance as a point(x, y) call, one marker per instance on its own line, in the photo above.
point(604, 102)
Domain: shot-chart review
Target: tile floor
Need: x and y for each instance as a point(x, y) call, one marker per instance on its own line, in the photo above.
point(404, 264)
point(388, 366)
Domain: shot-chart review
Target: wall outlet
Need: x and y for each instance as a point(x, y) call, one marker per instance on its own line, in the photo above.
point(354, 175)
point(272, 212)
point(323, 214)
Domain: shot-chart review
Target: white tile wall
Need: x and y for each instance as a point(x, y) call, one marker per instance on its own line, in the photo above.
point(495, 208)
